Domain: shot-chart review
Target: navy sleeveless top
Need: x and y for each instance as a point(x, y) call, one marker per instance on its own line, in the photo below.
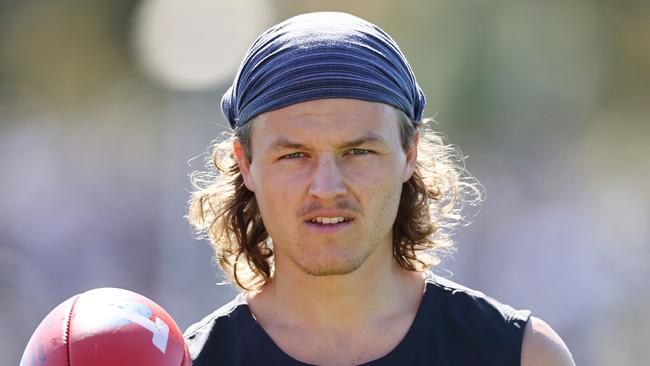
point(454, 325)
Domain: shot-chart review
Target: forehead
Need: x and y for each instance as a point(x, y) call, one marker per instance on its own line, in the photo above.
point(327, 120)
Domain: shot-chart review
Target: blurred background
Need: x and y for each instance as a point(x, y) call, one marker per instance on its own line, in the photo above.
point(107, 106)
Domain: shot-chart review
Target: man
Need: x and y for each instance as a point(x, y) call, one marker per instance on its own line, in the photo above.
point(334, 203)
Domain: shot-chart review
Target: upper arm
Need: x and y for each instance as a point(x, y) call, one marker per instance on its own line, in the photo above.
point(543, 347)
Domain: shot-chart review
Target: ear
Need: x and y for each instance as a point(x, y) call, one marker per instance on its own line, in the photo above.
point(412, 157)
point(244, 164)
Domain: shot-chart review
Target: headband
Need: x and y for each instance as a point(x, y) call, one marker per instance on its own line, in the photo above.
point(317, 56)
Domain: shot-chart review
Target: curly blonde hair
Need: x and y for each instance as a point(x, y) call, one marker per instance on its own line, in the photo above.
point(432, 204)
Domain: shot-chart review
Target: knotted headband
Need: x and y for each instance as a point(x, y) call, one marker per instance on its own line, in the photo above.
point(321, 55)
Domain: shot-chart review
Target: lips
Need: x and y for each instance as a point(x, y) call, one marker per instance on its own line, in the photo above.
point(328, 224)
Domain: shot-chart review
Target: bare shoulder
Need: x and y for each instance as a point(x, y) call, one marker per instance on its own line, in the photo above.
point(542, 346)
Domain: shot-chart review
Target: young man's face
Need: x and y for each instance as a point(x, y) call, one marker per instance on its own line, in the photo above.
point(327, 175)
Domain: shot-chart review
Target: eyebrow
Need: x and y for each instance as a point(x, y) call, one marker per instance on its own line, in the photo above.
point(369, 139)
point(283, 143)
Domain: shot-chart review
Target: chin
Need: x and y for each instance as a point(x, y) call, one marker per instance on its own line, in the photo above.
point(331, 267)
point(323, 272)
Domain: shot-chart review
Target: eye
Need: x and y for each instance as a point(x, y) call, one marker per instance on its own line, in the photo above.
point(357, 152)
point(294, 155)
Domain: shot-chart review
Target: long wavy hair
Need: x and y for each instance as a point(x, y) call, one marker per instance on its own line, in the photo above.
point(433, 203)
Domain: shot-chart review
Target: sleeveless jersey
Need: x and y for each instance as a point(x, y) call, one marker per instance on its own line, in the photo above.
point(454, 325)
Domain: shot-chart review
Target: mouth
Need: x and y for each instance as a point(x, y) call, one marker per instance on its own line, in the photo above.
point(322, 220)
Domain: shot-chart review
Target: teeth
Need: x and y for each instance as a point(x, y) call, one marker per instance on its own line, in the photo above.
point(329, 220)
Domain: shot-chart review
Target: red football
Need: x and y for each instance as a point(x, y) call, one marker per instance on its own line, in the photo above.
point(107, 327)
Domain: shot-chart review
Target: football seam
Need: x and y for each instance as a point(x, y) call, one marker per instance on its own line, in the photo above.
point(68, 324)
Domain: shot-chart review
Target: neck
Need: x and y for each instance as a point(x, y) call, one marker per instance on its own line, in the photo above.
point(364, 299)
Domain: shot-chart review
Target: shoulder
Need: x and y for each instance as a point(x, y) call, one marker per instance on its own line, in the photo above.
point(218, 333)
point(222, 313)
point(473, 304)
point(542, 346)
point(465, 319)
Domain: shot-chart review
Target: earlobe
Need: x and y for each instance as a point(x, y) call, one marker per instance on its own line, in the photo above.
point(244, 164)
point(412, 157)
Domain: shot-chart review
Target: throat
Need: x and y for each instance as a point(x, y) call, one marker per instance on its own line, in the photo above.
point(333, 327)
point(351, 346)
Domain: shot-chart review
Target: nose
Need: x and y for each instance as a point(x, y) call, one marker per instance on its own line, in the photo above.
point(327, 181)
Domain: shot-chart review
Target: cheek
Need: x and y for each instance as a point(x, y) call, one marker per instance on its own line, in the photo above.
point(391, 198)
point(276, 194)
point(381, 190)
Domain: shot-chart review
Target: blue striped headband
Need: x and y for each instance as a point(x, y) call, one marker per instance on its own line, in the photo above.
point(321, 55)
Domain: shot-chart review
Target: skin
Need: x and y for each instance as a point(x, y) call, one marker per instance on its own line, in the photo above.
point(542, 346)
point(319, 161)
point(328, 158)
